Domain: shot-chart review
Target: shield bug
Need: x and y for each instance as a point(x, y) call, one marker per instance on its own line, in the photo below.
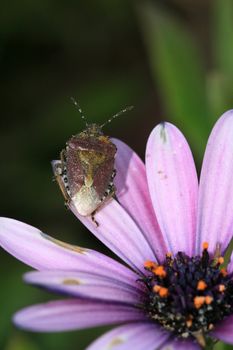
point(85, 171)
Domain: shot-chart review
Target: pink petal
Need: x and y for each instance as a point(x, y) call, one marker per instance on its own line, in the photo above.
point(135, 336)
point(215, 207)
point(133, 195)
point(173, 186)
point(88, 285)
point(119, 233)
point(63, 315)
point(224, 331)
point(42, 252)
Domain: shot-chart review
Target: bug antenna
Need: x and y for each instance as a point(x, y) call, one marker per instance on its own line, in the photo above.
point(79, 109)
point(126, 109)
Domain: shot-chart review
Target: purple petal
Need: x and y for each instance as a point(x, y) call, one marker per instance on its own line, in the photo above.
point(88, 285)
point(224, 331)
point(119, 233)
point(136, 336)
point(133, 194)
point(173, 186)
point(215, 207)
point(181, 345)
point(63, 315)
point(230, 264)
point(42, 252)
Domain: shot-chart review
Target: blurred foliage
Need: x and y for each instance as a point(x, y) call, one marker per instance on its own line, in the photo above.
point(177, 68)
point(221, 78)
point(171, 59)
point(194, 90)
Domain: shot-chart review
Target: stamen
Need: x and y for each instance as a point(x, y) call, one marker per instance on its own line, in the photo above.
point(149, 265)
point(156, 288)
point(187, 295)
point(205, 245)
point(201, 285)
point(208, 299)
point(189, 323)
point(221, 288)
point(163, 292)
point(220, 260)
point(223, 272)
point(159, 271)
point(210, 327)
point(199, 301)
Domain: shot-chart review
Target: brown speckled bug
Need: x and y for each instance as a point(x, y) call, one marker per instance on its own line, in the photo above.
point(85, 171)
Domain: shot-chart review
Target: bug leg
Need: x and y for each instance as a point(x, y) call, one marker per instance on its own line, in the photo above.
point(93, 219)
point(114, 196)
point(59, 171)
point(113, 174)
point(63, 158)
point(110, 193)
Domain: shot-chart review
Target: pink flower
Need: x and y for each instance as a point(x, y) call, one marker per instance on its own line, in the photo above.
point(170, 233)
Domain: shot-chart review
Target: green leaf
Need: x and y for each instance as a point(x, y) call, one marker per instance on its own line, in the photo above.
point(178, 73)
point(222, 346)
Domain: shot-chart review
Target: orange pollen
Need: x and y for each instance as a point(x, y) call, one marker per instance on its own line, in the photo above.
point(205, 245)
point(169, 255)
point(189, 323)
point(220, 260)
point(198, 302)
point(160, 271)
point(201, 285)
point(163, 292)
point(156, 288)
point(223, 272)
point(221, 288)
point(150, 265)
point(208, 299)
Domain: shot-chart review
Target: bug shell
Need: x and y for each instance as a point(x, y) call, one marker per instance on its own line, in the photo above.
point(89, 165)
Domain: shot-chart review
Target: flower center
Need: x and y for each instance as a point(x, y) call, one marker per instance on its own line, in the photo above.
point(188, 295)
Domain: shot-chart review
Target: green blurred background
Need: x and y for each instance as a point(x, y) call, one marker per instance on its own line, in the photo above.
point(171, 59)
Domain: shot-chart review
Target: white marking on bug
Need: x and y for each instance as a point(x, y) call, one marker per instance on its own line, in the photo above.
point(86, 200)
